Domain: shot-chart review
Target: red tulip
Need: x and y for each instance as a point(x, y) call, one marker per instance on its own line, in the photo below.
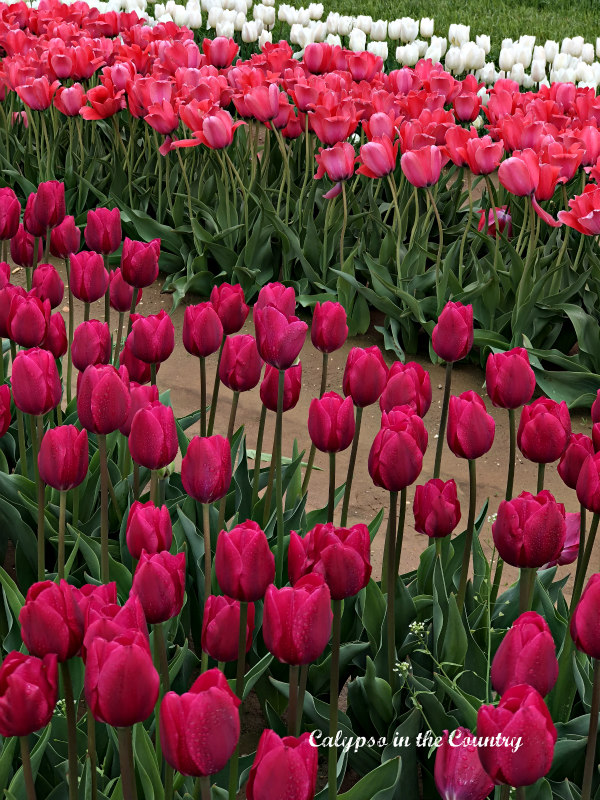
point(365, 375)
point(230, 304)
point(103, 398)
point(10, 212)
point(91, 344)
point(45, 208)
point(470, 432)
point(88, 277)
point(240, 365)
point(202, 330)
point(530, 530)
point(331, 422)
point(297, 620)
point(65, 238)
point(570, 550)
point(69, 100)
point(47, 284)
point(527, 654)
point(104, 101)
point(336, 162)
point(152, 337)
point(103, 230)
point(121, 293)
point(378, 157)
point(159, 582)
point(28, 693)
point(22, 248)
point(588, 483)
point(139, 262)
point(153, 439)
point(396, 455)
point(220, 51)
point(140, 397)
point(278, 295)
point(38, 93)
point(63, 457)
point(55, 340)
point(509, 379)
point(423, 167)
point(35, 382)
point(28, 320)
point(585, 621)
point(458, 772)
point(333, 125)
point(407, 385)
point(216, 129)
point(329, 329)
point(162, 117)
point(199, 730)
point(436, 508)
point(584, 213)
point(148, 528)
point(452, 337)
point(292, 385)
point(578, 449)
point(487, 222)
point(221, 625)
point(5, 415)
point(283, 769)
point(544, 430)
point(206, 468)
point(244, 563)
point(279, 337)
point(51, 621)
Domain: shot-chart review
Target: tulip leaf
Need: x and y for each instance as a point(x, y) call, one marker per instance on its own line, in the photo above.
point(6, 757)
point(15, 599)
point(466, 704)
point(454, 646)
point(379, 784)
point(254, 674)
point(147, 767)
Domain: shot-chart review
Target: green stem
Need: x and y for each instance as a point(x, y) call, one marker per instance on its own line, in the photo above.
point(91, 752)
point(270, 482)
point(510, 479)
point(215, 393)
point(71, 331)
point(582, 526)
point(119, 339)
point(301, 693)
point(207, 551)
point(416, 220)
point(258, 455)
point(153, 374)
point(590, 753)
point(86, 312)
point(400, 532)
point(331, 500)
point(107, 294)
point(27, 772)
point(37, 427)
point(351, 466)
point(313, 449)
point(397, 220)
point(443, 420)
point(104, 562)
point(154, 486)
point(61, 535)
point(136, 481)
point(126, 761)
point(239, 690)
point(438, 260)
point(463, 240)
point(505, 792)
point(540, 477)
point(526, 588)
point(390, 566)
point(583, 567)
point(20, 424)
point(162, 665)
point(462, 586)
point(204, 785)
point(344, 224)
point(490, 192)
point(232, 415)
point(71, 730)
point(293, 701)
point(279, 478)
point(134, 301)
point(202, 396)
point(333, 698)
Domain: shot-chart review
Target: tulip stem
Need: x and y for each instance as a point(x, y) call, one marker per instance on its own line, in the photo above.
point(334, 697)
point(91, 752)
point(107, 295)
point(27, 773)
point(86, 312)
point(540, 477)
point(36, 440)
point(443, 420)
point(126, 759)
point(104, 562)
point(400, 532)
point(154, 487)
point(490, 192)
point(351, 466)
point(204, 786)
point(582, 525)
point(20, 422)
point(215, 393)
point(344, 224)
point(438, 261)
point(258, 455)
point(239, 690)
point(505, 792)
point(397, 218)
point(119, 338)
point(313, 449)
point(153, 374)
point(207, 552)
point(463, 240)
point(134, 301)
point(301, 693)
point(202, 396)
point(590, 753)
point(390, 566)
point(526, 588)
point(464, 573)
point(71, 730)
point(510, 480)
point(71, 330)
point(279, 477)
point(232, 415)
point(331, 501)
point(162, 665)
point(61, 535)
point(136, 481)
point(293, 701)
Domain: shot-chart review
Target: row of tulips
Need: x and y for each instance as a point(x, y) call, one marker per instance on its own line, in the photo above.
point(270, 587)
point(111, 105)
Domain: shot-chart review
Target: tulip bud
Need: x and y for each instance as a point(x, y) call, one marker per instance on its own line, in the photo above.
point(527, 654)
point(452, 337)
point(103, 398)
point(45, 208)
point(283, 768)
point(279, 337)
point(340, 555)
point(471, 429)
point(588, 483)
point(206, 468)
point(530, 530)
point(152, 337)
point(153, 439)
point(35, 382)
point(47, 284)
point(571, 461)
point(297, 620)
point(436, 508)
point(244, 563)
point(22, 248)
point(331, 422)
point(276, 294)
point(240, 364)
point(199, 730)
point(269, 387)
point(140, 397)
point(28, 693)
point(28, 320)
point(91, 344)
point(229, 303)
point(221, 625)
point(509, 379)
point(159, 582)
point(10, 212)
point(407, 385)
point(329, 330)
point(202, 330)
point(139, 262)
point(396, 455)
point(88, 278)
point(458, 772)
point(520, 714)
point(365, 375)
point(55, 340)
point(65, 239)
point(544, 430)
point(148, 528)
point(121, 293)
point(585, 622)
point(63, 457)
point(103, 230)
point(51, 621)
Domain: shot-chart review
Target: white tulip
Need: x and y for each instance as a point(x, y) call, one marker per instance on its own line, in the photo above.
point(434, 53)
point(316, 10)
point(527, 82)
point(539, 54)
point(319, 30)
point(587, 53)
point(584, 73)
point(426, 27)
point(394, 27)
point(528, 41)
point(561, 61)
point(421, 46)
point(484, 42)
point(454, 61)
point(551, 49)
point(596, 71)
point(240, 7)
point(363, 23)
point(538, 70)
point(302, 16)
point(506, 59)
point(250, 32)
point(282, 12)
point(473, 56)
point(598, 47)
point(345, 25)
point(265, 3)
point(523, 55)
point(379, 30)
point(159, 10)
point(409, 29)
point(264, 38)
point(180, 15)
point(517, 73)
point(164, 18)
point(441, 42)
point(239, 21)
point(565, 46)
point(305, 36)
point(459, 34)
point(410, 54)
point(295, 33)
point(577, 43)
point(225, 28)
point(378, 49)
point(215, 15)
point(357, 40)
point(332, 22)
point(506, 44)
point(477, 123)
point(334, 40)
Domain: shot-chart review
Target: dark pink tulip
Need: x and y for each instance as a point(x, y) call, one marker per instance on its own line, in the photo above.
point(103, 230)
point(244, 563)
point(230, 304)
point(423, 167)
point(396, 455)
point(63, 457)
point(470, 432)
point(407, 385)
point(148, 528)
point(22, 248)
point(51, 620)
point(283, 768)
point(336, 162)
point(509, 379)
point(240, 365)
point(140, 396)
point(202, 330)
point(378, 157)
point(139, 262)
point(121, 293)
point(292, 384)
point(65, 238)
point(47, 284)
point(5, 415)
point(88, 277)
point(365, 375)
point(331, 422)
point(578, 449)
point(159, 582)
point(278, 295)
point(28, 320)
point(45, 208)
point(279, 337)
point(329, 329)
point(55, 340)
point(452, 336)
point(28, 693)
point(458, 772)
point(152, 337)
point(153, 436)
point(487, 222)
point(588, 483)
point(221, 625)
point(527, 654)
point(544, 430)
point(103, 398)
point(530, 530)
point(139, 371)
point(206, 468)
point(585, 622)
point(10, 212)
point(91, 344)
point(220, 51)
point(436, 508)
point(35, 382)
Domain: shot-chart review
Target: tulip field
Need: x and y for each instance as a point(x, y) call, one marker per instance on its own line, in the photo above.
point(299, 408)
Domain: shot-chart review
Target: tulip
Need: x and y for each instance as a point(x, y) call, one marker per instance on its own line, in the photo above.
point(570, 550)
point(63, 457)
point(69, 100)
point(55, 340)
point(88, 278)
point(452, 336)
point(220, 626)
point(244, 563)
point(47, 284)
point(584, 622)
point(139, 262)
point(470, 427)
point(140, 397)
point(220, 51)
point(340, 555)
point(199, 730)
point(527, 654)
point(28, 320)
point(103, 398)
point(336, 162)
point(138, 371)
point(530, 530)
point(45, 208)
point(331, 422)
point(121, 292)
point(51, 620)
point(436, 508)
point(520, 714)
point(153, 439)
point(544, 430)
point(28, 693)
point(329, 329)
point(23, 250)
point(229, 303)
point(152, 337)
point(279, 337)
point(396, 455)
point(283, 769)
point(276, 294)
point(5, 415)
point(588, 483)
point(65, 238)
point(458, 772)
point(578, 449)
point(10, 212)
point(378, 157)
point(148, 528)
point(407, 385)
point(202, 336)
point(103, 230)
point(91, 344)
point(297, 620)
point(206, 468)
point(291, 389)
point(487, 222)
point(38, 93)
point(365, 375)
point(509, 379)
point(423, 167)
point(240, 365)
point(159, 582)
point(35, 382)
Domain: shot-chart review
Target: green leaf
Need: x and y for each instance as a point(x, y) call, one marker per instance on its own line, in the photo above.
point(454, 647)
point(380, 784)
point(145, 760)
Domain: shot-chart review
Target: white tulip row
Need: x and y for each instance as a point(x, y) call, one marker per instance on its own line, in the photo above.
point(529, 64)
